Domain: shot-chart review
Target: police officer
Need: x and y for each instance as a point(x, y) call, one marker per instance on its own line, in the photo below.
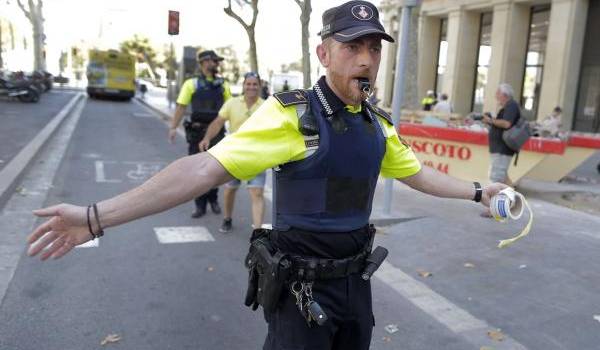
point(328, 146)
point(207, 93)
point(428, 101)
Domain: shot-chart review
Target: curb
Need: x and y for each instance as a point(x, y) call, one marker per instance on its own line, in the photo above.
point(164, 116)
point(12, 171)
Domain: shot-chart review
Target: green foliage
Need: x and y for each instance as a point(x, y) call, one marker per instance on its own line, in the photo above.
point(141, 48)
point(169, 62)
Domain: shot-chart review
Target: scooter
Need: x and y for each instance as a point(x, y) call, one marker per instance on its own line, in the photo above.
point(22, 90)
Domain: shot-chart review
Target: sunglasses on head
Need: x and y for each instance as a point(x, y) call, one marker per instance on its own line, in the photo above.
point(251, 75)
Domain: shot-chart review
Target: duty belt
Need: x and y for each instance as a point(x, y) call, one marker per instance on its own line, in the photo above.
point(197, 125)
point(310, 269)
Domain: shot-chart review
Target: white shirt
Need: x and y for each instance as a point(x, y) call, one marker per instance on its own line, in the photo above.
point(442, 107)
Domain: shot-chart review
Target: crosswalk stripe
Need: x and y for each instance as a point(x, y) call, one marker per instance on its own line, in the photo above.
point(183, 234)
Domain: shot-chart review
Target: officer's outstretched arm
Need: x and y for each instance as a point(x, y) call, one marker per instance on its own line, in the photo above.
point(436, 183)
point(179, 182)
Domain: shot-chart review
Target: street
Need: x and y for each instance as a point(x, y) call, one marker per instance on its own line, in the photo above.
point(172, 282)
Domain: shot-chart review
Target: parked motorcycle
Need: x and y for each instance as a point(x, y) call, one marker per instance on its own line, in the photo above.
point(22, 90)
point(37, 79)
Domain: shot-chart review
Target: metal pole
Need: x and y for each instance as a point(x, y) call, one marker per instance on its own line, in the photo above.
point(398, 98)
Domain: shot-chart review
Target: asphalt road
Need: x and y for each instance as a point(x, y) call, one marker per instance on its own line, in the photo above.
point(540, 293)
point(20, 122)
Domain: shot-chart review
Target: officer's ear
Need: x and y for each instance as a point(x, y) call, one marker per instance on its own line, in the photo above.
point(323, 54)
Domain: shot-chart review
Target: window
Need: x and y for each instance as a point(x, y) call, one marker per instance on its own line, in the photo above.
point(484, 54)
point(587, 112)
point(534, 64)
point(442, 55)
point(588, 104)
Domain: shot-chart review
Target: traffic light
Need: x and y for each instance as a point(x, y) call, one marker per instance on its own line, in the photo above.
point(173, 22)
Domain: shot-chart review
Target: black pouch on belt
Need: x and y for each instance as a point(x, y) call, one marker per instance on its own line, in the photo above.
point(269, 270)
point(194, 131)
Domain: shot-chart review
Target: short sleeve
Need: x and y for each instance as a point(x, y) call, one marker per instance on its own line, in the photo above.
point(511, 112)
point(399, 160)
point(226, 91)
point(187, 90)
point(225, 111)
point(270, 137)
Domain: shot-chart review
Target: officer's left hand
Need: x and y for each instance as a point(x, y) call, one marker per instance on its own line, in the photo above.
point(490, 191)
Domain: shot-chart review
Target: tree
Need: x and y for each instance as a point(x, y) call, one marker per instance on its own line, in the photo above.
point(63, 62)
point(248, 27)
point(77, 62)
point(230, 66)
point(36, 18)
point(170, 61)
point(142, 50)
point(305, 9)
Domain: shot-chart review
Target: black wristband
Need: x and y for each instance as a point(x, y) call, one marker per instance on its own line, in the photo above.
point(89, 222)
point(478, 192)
point(100, 230)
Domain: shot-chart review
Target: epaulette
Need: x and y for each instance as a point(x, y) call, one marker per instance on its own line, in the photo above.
point(380, 112)
point(292, 97)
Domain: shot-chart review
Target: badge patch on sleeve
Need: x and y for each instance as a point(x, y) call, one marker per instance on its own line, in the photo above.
point(290, 98)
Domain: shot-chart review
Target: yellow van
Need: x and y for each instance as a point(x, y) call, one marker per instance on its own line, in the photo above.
point(110, 73)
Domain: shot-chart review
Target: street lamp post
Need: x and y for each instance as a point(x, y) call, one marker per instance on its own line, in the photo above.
point(404, 11)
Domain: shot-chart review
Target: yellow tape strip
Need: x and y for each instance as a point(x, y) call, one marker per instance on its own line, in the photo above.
point(506, 242)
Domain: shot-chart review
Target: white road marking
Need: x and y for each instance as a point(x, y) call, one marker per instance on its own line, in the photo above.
point(185, 234)
point(16, 219)
point(100, 175)
point(441, 309)
point(89, 244)
point(144, 170)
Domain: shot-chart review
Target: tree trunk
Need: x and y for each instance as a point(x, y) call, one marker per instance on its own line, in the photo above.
point(305, 20)
point(252, 51)
point(38, 47)
point(36, 18)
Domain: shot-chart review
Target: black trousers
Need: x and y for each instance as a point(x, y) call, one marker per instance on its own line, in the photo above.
point(193, 148)
point(346, 301)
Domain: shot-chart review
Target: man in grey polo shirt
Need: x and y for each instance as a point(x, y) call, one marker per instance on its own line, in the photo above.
point(500, 154)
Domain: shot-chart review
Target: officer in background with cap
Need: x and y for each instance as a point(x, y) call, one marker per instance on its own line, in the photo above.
point(207, 93)
point(328, 146)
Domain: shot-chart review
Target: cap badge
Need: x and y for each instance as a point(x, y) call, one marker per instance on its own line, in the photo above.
point(362, 12)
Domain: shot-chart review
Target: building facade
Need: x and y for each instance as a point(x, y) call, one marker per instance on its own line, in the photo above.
point(16, 48)
point(547, 50)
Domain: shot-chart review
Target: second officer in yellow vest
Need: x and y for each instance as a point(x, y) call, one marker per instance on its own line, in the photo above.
point(207, 92)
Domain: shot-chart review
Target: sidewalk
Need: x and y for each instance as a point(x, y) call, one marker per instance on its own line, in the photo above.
point(580, 190)
point(156, 99)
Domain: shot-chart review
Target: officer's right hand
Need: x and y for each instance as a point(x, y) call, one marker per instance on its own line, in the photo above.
point(204, 145)
point(65, 229)
point(172, 134)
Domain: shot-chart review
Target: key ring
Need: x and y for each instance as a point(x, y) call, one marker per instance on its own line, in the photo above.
point(293, 289)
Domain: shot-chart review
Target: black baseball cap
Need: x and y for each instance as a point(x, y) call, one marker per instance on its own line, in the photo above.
point(351, 20)
point(209, 55)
